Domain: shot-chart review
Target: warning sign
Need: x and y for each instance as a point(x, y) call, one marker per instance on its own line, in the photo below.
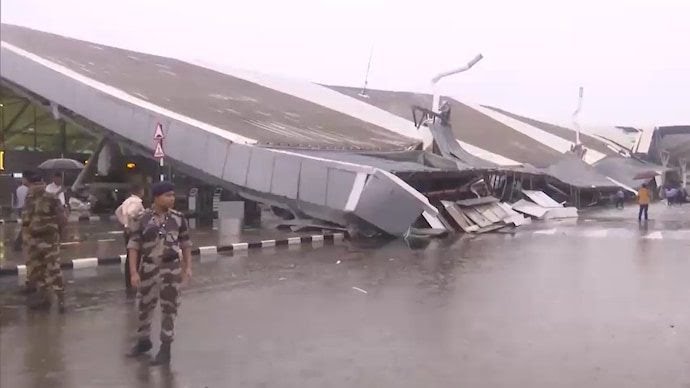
point(158, 153)
point(158, 135)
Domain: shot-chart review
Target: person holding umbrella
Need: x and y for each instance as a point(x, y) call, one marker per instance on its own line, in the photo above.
point(58, 167)
point(56, 188)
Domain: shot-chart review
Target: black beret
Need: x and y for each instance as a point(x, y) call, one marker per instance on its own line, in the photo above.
point(161, 188)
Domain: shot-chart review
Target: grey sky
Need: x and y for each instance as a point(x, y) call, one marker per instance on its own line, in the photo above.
point(631, 56)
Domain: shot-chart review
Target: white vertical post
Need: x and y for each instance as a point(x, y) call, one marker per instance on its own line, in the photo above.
point(162, 164)
point(576, 121)
point(684, 171)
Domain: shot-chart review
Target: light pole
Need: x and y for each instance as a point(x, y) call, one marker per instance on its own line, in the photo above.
point(440, 76)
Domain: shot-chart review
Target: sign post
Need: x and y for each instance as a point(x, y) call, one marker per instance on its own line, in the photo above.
point(158, 152)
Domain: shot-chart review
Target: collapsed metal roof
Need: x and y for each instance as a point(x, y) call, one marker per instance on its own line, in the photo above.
point(214, 128)
point(566, 133)
point(575, 172)
point(248, 110)
point(404, 163)
point(624, 170)
point(469, 125)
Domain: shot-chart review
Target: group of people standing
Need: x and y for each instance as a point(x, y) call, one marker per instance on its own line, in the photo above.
point(158, 253)
point(644, 198)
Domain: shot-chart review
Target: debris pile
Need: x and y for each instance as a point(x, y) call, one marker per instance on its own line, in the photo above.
point(488, 214)
point(481, 215)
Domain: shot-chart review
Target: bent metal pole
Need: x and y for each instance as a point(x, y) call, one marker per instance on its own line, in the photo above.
point(434, 81)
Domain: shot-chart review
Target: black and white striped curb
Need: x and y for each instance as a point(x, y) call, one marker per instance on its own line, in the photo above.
point(70, 219)
point(91, 262)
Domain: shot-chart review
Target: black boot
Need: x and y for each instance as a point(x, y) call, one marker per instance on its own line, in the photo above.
point(142, 346)
point(163, 356)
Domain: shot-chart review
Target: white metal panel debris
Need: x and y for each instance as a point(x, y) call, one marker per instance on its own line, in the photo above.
point(529, 208)
point(545, 207)
point(541, 199)
point(483, 215)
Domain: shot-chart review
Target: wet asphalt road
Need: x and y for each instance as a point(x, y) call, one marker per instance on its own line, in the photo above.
point(529, 310)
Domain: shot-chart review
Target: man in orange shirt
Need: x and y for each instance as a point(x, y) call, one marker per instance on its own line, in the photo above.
point(643, 198)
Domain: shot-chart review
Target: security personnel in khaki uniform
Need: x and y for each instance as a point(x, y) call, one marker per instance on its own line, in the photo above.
point(43, 219)
point(160, 260)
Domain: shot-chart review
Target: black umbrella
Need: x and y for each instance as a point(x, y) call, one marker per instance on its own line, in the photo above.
point(61, 164)
point(646, 175)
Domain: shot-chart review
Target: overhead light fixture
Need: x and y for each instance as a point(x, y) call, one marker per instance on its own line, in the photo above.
point(131, 165)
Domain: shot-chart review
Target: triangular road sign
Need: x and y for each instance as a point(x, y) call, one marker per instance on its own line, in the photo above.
point(158, 135)
point(158, 153)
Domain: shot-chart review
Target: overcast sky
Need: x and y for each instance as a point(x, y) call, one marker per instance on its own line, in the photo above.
point(632, 56)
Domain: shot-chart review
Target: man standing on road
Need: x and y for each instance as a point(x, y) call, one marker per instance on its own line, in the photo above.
point(159, 236)
point(620, 199)
point(20, 194)
point(130, 208)
point(643, 199)
point(43, 220)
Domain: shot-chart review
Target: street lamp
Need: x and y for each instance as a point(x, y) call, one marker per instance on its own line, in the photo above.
point(434, 81)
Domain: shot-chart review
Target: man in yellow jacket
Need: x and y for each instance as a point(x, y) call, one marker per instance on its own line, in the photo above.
point(643, 199)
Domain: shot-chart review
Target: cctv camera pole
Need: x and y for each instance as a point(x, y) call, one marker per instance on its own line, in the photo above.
point(435, 80)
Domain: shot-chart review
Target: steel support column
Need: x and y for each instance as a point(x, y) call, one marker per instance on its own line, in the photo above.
point(683, 163)
point(90, 165)
point(63, 138)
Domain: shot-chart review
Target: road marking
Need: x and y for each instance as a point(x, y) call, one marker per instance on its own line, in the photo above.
point(654, 236)
point(546, 232)
point(596, 233)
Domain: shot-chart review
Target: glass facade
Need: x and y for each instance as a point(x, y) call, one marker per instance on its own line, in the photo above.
point(27, 127)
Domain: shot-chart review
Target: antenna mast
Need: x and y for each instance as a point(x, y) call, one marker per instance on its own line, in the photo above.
point(363, 93)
